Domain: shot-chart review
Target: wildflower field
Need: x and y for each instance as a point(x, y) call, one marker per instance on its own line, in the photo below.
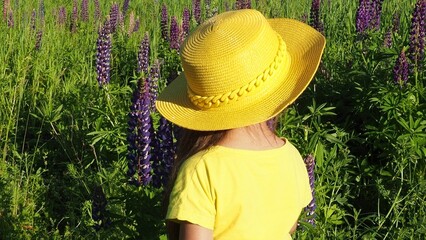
point(85, 155)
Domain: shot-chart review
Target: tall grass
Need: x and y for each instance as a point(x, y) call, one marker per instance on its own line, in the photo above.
point(64, 139)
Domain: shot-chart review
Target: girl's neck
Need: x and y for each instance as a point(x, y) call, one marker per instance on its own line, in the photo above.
point(254, 137)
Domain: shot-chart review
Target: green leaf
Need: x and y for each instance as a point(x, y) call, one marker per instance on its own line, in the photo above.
point(319, 154)
point(385, 173)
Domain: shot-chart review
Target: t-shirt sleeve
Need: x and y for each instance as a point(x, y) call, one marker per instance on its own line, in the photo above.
point(192, 198)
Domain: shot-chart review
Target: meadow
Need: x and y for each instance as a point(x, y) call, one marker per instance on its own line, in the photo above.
point(84, 154)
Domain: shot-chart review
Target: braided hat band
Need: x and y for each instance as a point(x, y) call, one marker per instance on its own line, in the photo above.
point(240, 69)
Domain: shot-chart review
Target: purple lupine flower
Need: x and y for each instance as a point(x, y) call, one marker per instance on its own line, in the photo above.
point(395, 22)
point(74, 17)
point(153, 83)
point(247, 4)
point(164, 24)
point(400, 70)
point(417, 34)
point(38, 39)
point(310, 209)
point(143, 55)
point(196, 10)
point(174, 34)
point(125, 8)
point(62, 15)
point(387, 42)
point(97, 10)
point(113, 17)
point(185, 22)
point(84, 10)
point(243, 4)
point(10, 21)
point(6, 5)
point(376, 12)
point(33, 20)
point(314, 17)
point(363, 16)
point(140, 136)
point(131, 23)
point(239, 4)
point(137, 25)
point(165, 151)
point(103, 54)
point(368, 15)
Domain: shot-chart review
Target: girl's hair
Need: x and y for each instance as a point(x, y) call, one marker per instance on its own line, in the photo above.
point(189, 143)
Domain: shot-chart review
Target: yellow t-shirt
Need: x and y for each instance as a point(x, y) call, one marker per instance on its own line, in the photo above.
point(242, 194)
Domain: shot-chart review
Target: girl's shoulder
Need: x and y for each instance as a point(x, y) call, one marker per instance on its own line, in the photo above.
point(218, 154)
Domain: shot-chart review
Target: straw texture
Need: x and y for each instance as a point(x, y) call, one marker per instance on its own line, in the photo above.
point(241, 69)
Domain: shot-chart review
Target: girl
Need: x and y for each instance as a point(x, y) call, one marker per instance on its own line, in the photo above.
point(234, 177)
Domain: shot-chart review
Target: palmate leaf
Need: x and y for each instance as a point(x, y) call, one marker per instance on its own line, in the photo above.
point(99, 135)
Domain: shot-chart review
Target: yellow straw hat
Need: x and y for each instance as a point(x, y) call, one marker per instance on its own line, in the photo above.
point(240, 69)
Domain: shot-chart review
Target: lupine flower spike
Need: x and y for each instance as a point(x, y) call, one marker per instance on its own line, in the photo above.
point(165, 153)
point(243, 4)
point(164, 24)
point(363, 16)
point(174, 34)
point(62, 16)
point(137, 25)
point(310, 166)
point(74, 17)
point(6, 5)
point(395, 23)
point(103, 55)
point(185, 22)
point(140, 135)
point(368, 15)
point(33, 21)
point(125, 8)
point(113, 17)
point(239, 4)
point(143, 55)
point(38, 39)
point(153, 84)
point(97, 10)
point(84, 10)
point(314, 17)
point(196, 10)
point(418, 34)
point(400, 70)
point(387, 42)
point(131, 23)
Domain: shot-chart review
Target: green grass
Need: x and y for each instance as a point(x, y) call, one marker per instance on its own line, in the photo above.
point(63, 138)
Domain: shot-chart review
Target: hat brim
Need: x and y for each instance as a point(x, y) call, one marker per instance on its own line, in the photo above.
point(305, 46)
